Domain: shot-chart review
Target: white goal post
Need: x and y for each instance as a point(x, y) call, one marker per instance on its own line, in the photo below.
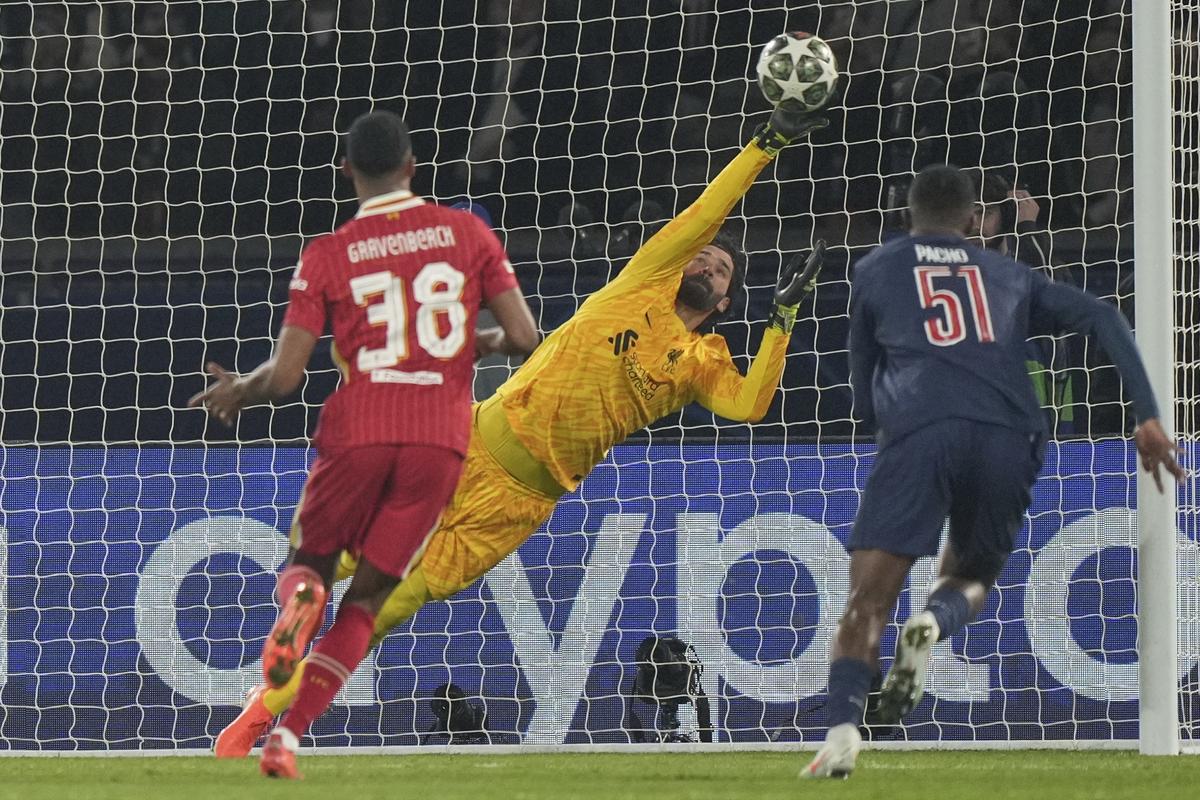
point(1154, 254)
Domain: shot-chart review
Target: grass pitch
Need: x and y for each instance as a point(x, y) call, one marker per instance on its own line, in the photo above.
point(893, 775)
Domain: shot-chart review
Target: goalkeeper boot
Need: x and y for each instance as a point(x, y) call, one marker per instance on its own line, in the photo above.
point(298, 622)
point(251, 725)
point(905, 681)
point(837, 756)
point(279, 755)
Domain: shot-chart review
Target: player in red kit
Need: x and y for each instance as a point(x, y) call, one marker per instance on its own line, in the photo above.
point(400, 285)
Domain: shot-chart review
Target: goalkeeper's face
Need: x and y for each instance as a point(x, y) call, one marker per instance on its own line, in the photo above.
point(705, 284)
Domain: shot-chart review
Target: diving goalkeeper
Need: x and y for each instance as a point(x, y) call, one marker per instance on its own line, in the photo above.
point(630, 355)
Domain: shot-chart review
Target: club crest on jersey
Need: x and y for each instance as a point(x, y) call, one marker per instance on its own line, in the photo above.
point(623, 340)
point(672, 360)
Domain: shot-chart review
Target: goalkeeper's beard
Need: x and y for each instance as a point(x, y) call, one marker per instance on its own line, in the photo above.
point(696, 292)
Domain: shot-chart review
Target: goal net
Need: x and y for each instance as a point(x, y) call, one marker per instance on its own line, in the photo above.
point(1185, 94)
point(161, 164)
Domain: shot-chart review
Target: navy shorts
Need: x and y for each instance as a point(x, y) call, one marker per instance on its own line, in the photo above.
point(978, 475)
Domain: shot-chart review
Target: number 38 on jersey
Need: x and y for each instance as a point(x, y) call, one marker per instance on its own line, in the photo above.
point(439, 324)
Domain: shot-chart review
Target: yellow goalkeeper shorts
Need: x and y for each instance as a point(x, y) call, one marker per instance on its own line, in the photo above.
point(491, 515)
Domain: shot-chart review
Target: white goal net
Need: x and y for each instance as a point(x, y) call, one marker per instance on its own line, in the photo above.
point(1185, 70)
point(161, 165)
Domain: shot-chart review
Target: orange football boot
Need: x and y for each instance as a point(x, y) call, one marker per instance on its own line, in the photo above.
point(298, 622)
point(277, 760)
point(250, 726)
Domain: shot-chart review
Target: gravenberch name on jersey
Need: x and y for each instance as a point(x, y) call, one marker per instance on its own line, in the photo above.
point(941, 255)
point(397, 244)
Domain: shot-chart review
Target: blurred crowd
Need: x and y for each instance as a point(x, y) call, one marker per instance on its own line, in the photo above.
point(570, 123)
point(185, 118)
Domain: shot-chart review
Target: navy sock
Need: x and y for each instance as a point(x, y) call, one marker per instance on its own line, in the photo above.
point(951, 610)
point(849, 682)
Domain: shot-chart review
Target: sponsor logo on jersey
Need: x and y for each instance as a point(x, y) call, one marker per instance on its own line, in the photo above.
point(639, 377)
point(623, 340)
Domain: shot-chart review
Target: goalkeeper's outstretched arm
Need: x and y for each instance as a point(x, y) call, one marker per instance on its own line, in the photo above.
point(669, 250)
point(747, 399)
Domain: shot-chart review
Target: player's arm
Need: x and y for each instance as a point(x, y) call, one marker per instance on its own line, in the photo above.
point(865, 352)
point(278, 376)
point(272, 380)
point(1031, 243)
point(669, 250)
point(1065, 308)
point(517, 334)
point(747, 399)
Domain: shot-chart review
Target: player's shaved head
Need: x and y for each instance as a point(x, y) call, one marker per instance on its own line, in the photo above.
point(941, 197)
point(378, 144)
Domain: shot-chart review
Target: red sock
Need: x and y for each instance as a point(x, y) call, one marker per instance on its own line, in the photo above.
point(293, 575)
point(329, 666)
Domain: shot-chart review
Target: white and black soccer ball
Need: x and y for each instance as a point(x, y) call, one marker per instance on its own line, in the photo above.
point(799, 70)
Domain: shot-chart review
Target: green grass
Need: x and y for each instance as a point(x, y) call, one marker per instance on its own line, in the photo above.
point(995, 775)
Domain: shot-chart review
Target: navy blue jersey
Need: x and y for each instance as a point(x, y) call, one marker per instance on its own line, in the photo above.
point(938, 330)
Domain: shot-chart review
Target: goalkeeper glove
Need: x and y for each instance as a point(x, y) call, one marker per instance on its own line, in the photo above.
point(796, 281)
point(788, 125)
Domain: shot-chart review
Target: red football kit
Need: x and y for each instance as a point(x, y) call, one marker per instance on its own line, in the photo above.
point(401, 285)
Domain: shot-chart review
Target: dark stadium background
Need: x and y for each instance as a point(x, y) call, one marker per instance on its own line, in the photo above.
point(150, 211)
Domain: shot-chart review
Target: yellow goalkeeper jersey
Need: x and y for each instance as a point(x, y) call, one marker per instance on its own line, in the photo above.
point(626, 359)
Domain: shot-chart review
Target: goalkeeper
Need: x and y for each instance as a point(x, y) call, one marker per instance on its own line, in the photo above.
point(629, 356)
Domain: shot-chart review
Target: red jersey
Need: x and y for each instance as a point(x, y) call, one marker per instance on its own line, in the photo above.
point(401, 285)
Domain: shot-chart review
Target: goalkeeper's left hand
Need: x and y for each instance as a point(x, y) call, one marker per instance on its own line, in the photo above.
point(788, 125)
point(796, 281)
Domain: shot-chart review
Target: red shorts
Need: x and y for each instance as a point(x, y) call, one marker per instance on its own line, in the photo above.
point(381, 501)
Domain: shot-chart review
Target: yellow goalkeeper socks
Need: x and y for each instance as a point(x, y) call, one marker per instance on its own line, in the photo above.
point(278, 700)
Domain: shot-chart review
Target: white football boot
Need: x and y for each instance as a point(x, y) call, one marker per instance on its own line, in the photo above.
point(905, 681)
point(837, 756)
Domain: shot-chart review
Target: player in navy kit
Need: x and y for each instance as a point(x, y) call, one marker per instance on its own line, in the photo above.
point(937, 359)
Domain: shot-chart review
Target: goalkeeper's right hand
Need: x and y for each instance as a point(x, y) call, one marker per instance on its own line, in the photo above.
point(788, 125)
point(796, 281)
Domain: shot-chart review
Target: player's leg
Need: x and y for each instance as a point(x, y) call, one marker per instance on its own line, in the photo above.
point(405, 600)
point(490, 516)
point(329, 666)
point(876, 578)
point(420, 487)
point(956, 598)
point(447, 577)
point(342, 489)
point(302, 592)
point(899, 519)
point(992, 494)
point(995, 470)
point(263, 703)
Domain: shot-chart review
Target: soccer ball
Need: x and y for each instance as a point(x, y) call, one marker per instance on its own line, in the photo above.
point(797, 70)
